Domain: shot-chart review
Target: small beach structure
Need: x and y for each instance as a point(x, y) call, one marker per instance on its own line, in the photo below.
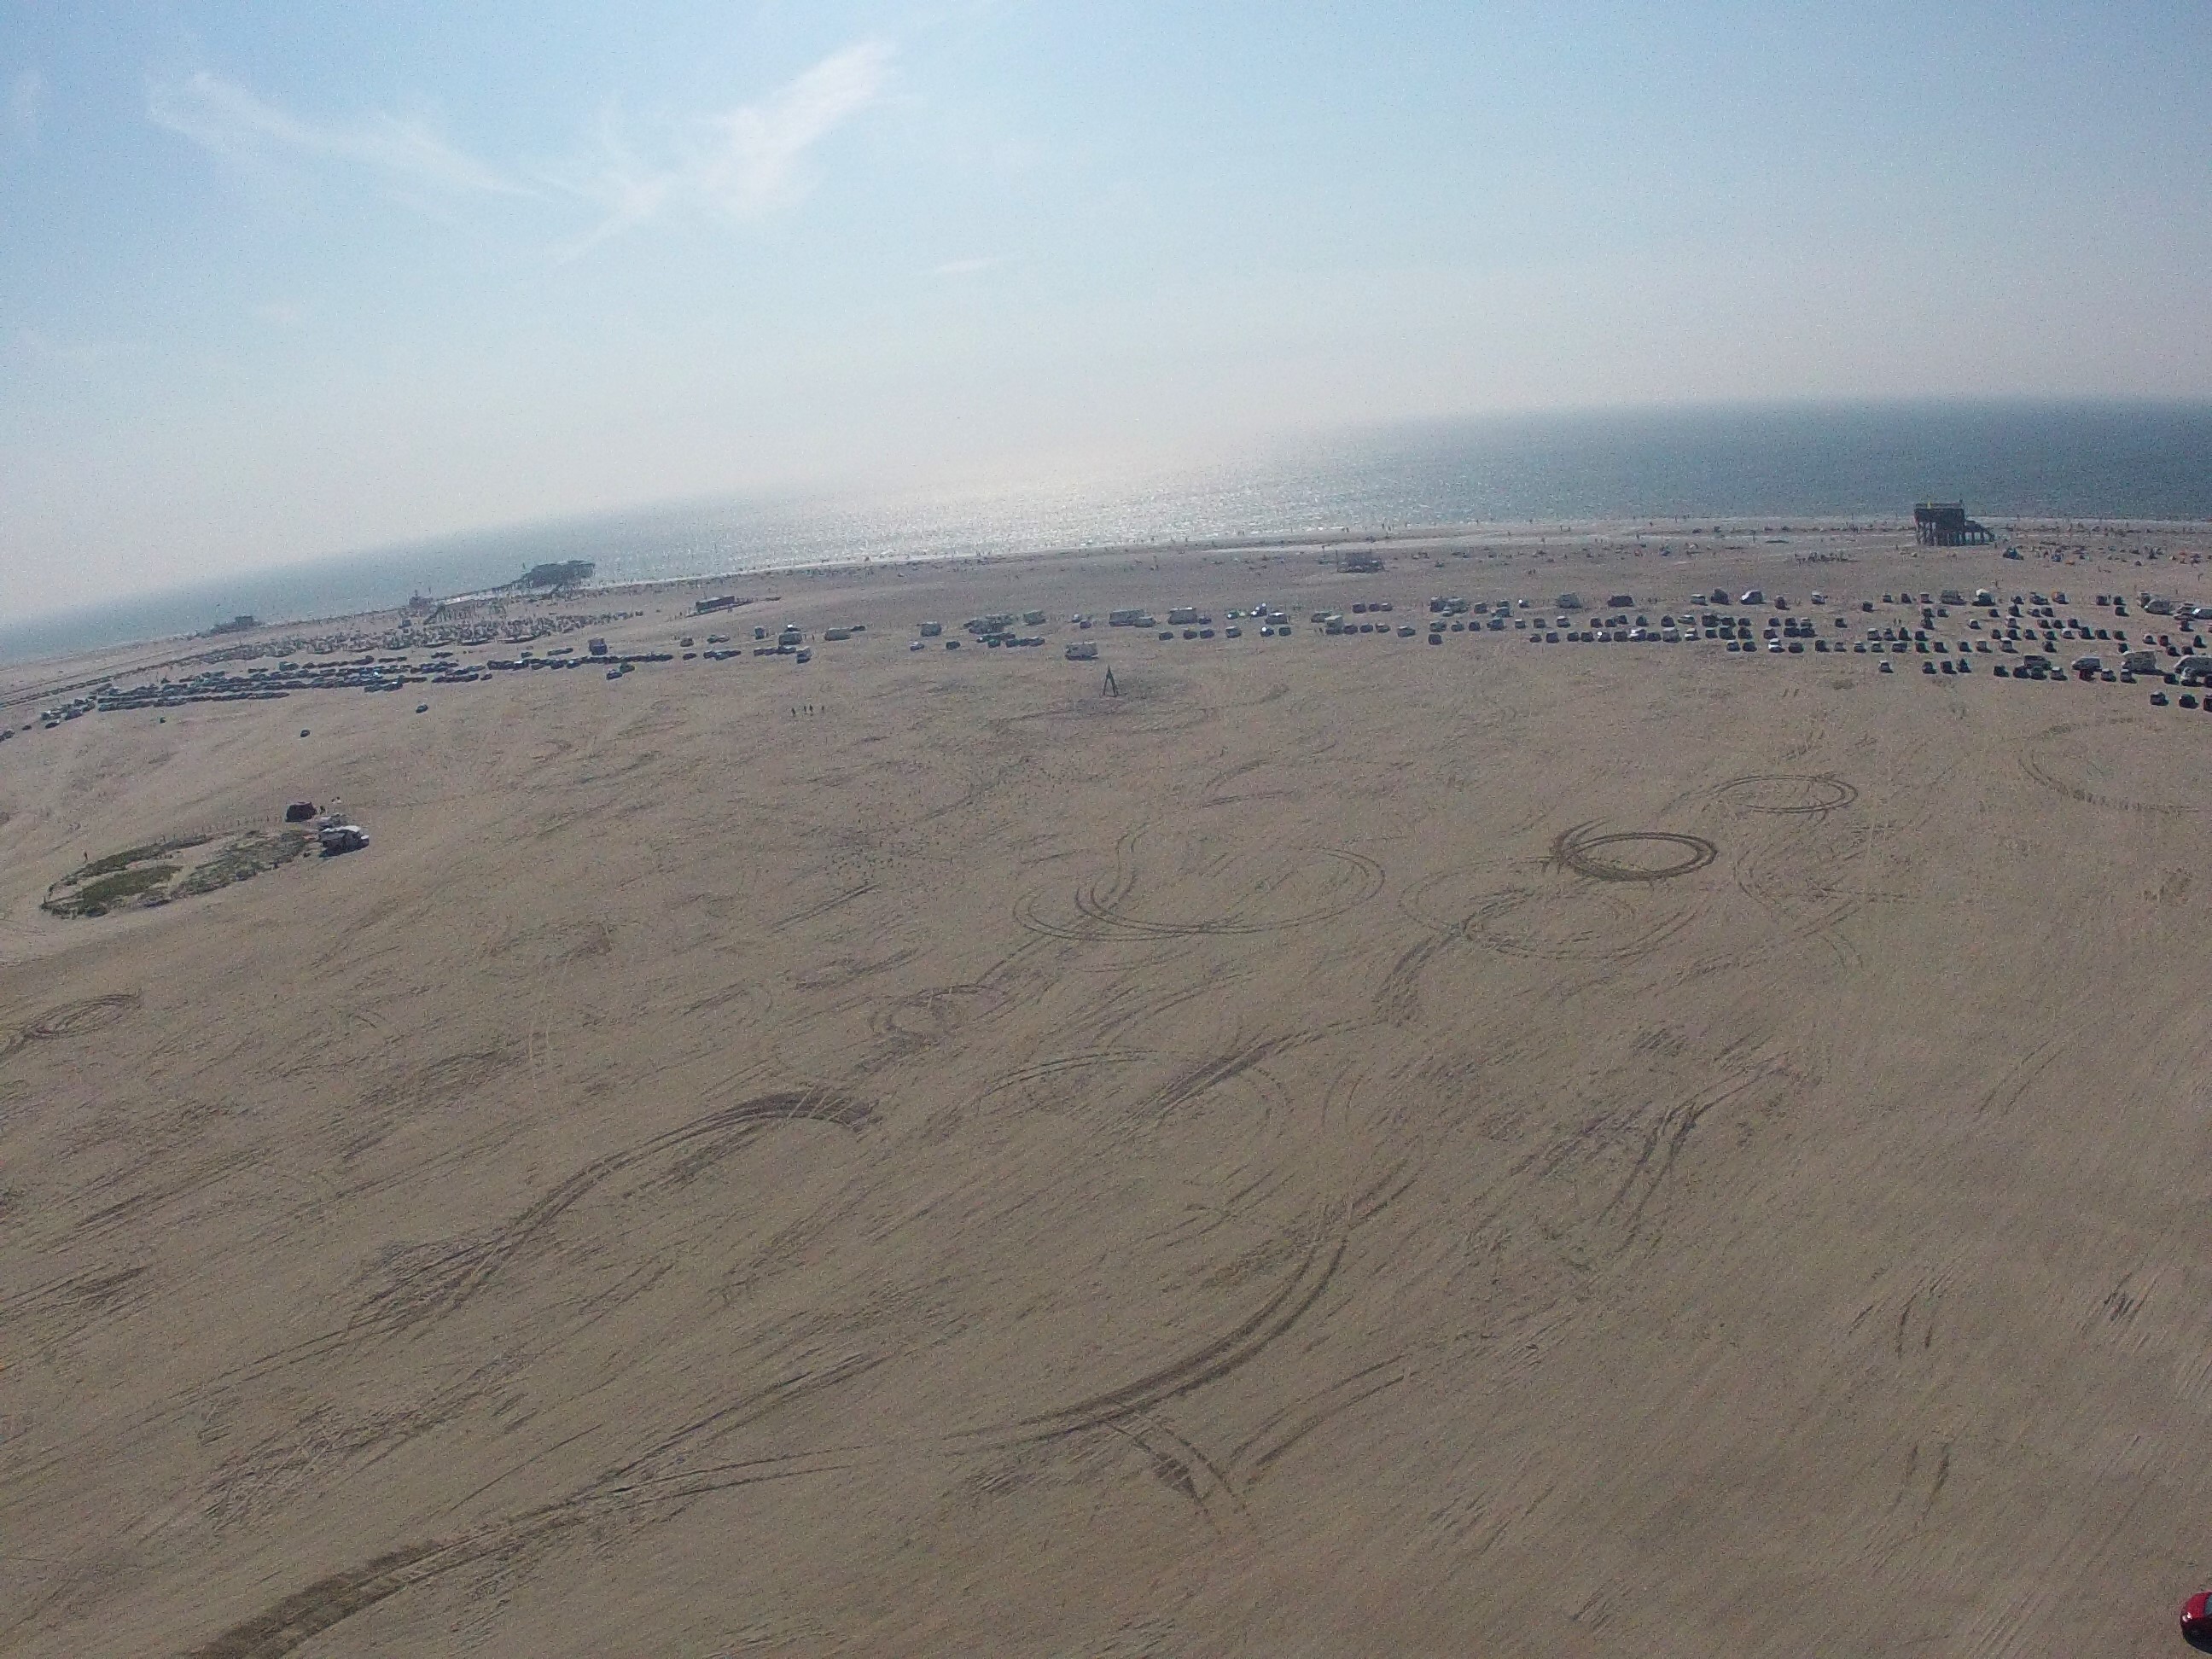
point(1945, 524)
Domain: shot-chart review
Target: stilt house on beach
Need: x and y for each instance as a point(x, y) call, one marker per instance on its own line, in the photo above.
point(1945, 524)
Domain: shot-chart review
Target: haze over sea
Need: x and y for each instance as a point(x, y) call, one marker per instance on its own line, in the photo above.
point(2108, 460)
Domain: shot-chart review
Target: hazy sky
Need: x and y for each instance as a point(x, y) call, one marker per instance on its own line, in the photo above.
point(284, 279)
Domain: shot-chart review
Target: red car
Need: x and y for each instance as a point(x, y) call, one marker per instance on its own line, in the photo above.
point(2196, 1620)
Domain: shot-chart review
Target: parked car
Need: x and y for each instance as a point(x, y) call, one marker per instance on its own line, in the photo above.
point(2196, 1621)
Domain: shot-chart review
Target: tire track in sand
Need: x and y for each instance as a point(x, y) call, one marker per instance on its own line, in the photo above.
point(293, 1620)
point(66, 1020)
point(464, 1272)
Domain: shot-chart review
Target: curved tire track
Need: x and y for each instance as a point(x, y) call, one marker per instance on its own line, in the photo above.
point(405, 1307)
point(66, 1020)
point(1575, 849)
point(1810, 794)
point(1215, 1359)
point(1099, 904)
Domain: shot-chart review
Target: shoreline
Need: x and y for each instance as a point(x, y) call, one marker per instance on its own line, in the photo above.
point(637, 614)
point(1480, 532)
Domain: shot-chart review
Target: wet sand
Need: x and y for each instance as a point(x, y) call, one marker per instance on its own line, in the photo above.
point(1349, 1146)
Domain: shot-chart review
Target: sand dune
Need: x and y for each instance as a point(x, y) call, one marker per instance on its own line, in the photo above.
point(1349, 1146)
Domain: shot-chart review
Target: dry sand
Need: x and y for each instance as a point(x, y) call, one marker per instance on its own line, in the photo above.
point(982, 1167)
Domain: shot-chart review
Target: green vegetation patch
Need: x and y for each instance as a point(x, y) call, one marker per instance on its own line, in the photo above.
point(96, 898)
point(141, 877)
point(248, 856)
point(131, 855)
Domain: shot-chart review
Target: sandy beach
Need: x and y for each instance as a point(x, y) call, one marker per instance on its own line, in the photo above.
point(1348, 1146)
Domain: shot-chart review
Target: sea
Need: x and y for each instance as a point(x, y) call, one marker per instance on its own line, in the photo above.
point(2081, 461)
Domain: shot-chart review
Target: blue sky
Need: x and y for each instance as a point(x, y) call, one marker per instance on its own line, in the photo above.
point(281, 280)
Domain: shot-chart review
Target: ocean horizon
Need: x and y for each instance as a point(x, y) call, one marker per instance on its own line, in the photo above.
point(2040, 461)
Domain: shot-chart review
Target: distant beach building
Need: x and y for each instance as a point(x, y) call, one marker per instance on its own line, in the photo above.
point(1945, 524)
point(565, 573)
point(1358, 563)
point(242, 624)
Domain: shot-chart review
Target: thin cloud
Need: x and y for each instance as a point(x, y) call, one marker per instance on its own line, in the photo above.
point(965, 267)
point(743, 162)
point(756, 166)
point(230, 122)
point(627, 190)
point(26, 107)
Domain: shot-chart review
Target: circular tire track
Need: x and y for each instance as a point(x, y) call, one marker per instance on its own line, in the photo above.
point(1522, 908)
point(1551, 927)
point(932, 1015)
point(1577, 850)
point(1815, 793)
point(72, 1019)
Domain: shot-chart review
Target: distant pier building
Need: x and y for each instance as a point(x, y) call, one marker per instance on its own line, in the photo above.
point(1945, 524)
